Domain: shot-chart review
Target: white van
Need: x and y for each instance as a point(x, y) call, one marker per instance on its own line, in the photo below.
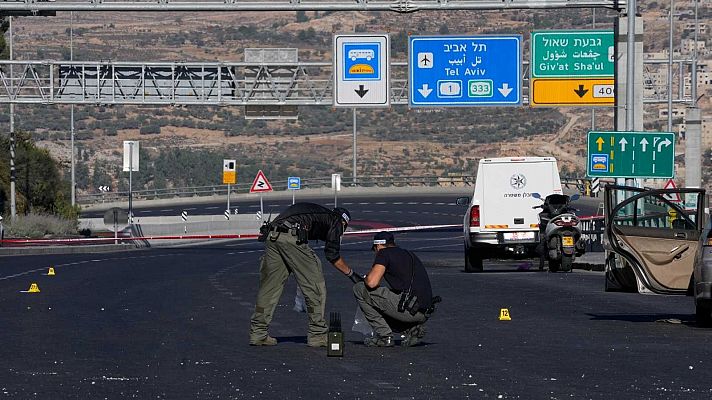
point(500, 221)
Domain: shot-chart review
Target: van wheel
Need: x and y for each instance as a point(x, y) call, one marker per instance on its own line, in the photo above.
point(703, 313)
point(473, 261)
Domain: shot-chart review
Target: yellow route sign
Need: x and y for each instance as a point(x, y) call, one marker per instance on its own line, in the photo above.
point(571, 92)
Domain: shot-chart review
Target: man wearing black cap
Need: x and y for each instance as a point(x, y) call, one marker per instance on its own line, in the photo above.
point(408, 301)
point(287, 250)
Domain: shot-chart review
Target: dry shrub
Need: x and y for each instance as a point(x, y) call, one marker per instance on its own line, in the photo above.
point(40, 225)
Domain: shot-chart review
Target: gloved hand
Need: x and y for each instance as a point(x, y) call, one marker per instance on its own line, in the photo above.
point(355, 278)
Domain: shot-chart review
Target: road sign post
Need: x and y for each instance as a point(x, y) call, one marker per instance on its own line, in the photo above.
point(294, 183)
point(229, 178)
point(260, 185)
point(465, 70)
point(572, 68)
point(336, 185)
point(131, 163)
point(362, 70)
point(631, 154)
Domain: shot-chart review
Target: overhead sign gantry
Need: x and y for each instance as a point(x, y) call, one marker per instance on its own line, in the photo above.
point(400, 6)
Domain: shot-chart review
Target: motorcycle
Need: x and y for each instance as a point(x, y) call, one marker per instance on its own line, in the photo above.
point(559, 232)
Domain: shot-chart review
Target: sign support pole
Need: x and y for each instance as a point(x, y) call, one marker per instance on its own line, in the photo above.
point(228, 198)
point(292, 197)
point(262, 209)
point(116, 227)
point(130, 182)
point(354, 170)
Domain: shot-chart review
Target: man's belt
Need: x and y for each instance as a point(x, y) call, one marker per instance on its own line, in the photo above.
point(281, 229)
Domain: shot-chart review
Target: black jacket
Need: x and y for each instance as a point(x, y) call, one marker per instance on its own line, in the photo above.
point(320, 222)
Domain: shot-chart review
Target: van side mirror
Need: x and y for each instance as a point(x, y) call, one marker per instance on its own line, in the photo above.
point(463, 201)
point(536, 195)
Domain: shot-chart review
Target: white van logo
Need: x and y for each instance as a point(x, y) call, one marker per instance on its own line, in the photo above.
point(518, 181)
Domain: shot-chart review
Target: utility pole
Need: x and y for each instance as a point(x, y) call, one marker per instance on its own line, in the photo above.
point(630, 76)
point(669, 71)
point(354, 170)
point(13, 177)
point(593, 110)
point(693, 131)
point(71, 58)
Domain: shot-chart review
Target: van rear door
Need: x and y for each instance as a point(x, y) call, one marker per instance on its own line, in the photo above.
point(508, 186)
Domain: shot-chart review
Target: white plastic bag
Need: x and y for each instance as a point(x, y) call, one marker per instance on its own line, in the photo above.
point(361, 325)
point(299, 303)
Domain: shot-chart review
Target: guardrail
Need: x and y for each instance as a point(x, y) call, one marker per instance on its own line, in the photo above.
point(308, 183)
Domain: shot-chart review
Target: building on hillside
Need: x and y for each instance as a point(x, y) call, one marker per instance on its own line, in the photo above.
point(690, 27)
point(688, 46)
point(676, 113)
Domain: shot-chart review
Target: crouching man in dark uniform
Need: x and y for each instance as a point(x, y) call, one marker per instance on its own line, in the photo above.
point(287, 251)
point(406, 305)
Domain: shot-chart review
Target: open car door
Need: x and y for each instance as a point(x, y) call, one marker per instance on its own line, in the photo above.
point(657, 233)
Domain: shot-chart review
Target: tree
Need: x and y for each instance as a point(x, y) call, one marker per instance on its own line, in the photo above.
point(302, 16)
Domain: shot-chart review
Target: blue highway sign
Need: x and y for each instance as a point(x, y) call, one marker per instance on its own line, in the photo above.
point(465, 70)
point(294, 183)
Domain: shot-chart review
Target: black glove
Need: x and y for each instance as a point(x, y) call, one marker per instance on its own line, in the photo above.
point(355, 278)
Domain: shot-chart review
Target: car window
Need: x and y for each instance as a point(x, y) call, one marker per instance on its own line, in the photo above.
point(659, 211)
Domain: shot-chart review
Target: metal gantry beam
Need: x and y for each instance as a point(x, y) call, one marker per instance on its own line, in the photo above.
point(212, 83)
point(400, 6)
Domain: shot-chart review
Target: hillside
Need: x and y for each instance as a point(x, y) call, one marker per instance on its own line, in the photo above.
point(179, 141)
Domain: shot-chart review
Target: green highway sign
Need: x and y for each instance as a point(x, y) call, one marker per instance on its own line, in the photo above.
point(572, 54)
point(631, 154)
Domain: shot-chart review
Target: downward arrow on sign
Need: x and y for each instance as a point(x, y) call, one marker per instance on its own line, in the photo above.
point(505, 89)
point(425, 91)
point(361, 91)
point(581, 91)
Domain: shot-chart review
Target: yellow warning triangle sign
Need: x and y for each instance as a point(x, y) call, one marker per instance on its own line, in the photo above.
point(260, 184)
point(51, 272)
point(504, 315)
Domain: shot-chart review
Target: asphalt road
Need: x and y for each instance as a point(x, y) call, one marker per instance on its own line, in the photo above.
point(172, 323)
point(357, 204)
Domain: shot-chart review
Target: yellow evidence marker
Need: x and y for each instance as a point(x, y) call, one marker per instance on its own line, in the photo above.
point(504, 315)
point(51, 272)
point(33, 289)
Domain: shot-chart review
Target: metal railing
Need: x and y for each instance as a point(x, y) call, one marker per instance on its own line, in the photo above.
point(310, 183)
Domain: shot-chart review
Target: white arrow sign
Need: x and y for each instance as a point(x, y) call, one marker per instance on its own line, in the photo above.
point(425, 91)
point(665, 142)
point(623, 142)
point(505, 89)
point(645, 144)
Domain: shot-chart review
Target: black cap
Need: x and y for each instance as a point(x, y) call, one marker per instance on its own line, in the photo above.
point(343, 213)
point(383, 238)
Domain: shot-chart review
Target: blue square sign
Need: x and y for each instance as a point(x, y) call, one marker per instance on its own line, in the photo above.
point(483, 70)
point(362, 61)
point(294, 183)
